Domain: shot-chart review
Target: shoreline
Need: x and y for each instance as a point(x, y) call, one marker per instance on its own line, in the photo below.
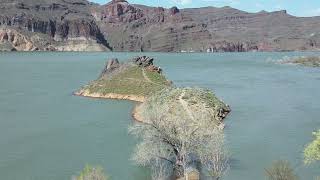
point(135, 112)
point(86, 93)
point(137, 99)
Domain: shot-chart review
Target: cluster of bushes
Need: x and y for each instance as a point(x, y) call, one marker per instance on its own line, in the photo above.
point(281, 170)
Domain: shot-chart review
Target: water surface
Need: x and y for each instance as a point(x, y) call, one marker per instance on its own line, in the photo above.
point(46, 133)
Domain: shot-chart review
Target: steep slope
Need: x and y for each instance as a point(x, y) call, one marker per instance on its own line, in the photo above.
point(50, 25)
point(130, 27)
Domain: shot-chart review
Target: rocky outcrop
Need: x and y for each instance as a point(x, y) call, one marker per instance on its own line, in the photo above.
point(207, 29)
point(143, 61)
point(112, 65)
point(173, 11)
point(16, 41)
point(58, 23)
point(120, 11)
point(147, 63)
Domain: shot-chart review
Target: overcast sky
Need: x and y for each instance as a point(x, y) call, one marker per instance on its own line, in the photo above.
point(294, 7)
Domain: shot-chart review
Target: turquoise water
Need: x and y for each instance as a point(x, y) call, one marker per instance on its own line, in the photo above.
point(46, 133)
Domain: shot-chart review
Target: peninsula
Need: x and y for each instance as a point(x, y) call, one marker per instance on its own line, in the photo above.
point(140, 80)
point(133, 80)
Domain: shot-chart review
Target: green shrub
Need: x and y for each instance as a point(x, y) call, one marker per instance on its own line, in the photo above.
point(281, 170)
point(92, 173)
point(312, 151)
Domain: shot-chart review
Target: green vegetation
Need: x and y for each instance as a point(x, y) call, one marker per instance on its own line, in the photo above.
point(197, 100)
point(312, 151)
point(312, 61)
point(281, 170)
point(130, 81)
point(92, 173)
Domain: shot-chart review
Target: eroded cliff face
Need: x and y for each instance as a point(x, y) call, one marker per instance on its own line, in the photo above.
point(59, 23)
point(131, 27)
point(15, 41)
point(66, 25)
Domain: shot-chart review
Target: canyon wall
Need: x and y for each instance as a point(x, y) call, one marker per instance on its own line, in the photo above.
point(78, 25)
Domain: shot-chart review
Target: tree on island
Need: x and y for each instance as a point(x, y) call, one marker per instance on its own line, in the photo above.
point(175, 138)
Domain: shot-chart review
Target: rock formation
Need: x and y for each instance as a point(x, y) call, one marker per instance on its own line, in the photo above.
point(57, 24)
point(143, 61)
point(112, 65)
point(66, 25)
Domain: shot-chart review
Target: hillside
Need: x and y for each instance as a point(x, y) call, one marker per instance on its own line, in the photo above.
point(58, 25)
point(132, 80)
point(65, 25)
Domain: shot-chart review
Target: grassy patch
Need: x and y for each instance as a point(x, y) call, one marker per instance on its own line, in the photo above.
point(156, 77)
point(129, 82)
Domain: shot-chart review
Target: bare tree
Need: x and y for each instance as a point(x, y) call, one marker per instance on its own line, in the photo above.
point(281, 170)
point(216, 158)
point(176, 135)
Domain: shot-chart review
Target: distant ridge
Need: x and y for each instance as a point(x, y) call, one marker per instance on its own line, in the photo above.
point(78, 25)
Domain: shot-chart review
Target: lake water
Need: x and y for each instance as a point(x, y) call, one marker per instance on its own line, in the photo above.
point(46, 133)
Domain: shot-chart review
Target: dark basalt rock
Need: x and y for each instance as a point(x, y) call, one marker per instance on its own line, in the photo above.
point(154, 68)
point(143, 61)
point(174, 10)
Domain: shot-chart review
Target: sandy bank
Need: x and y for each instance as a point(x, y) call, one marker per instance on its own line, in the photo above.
point(136, 114)
point(129, 97)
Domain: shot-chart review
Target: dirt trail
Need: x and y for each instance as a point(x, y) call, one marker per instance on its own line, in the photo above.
point(185, 105)
point(145, 76)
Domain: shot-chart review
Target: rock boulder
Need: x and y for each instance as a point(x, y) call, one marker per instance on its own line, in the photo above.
point(111, 65)
point(143, 61)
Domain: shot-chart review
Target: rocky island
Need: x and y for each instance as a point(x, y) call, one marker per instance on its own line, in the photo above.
point(79, 25)
point(133, 80)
